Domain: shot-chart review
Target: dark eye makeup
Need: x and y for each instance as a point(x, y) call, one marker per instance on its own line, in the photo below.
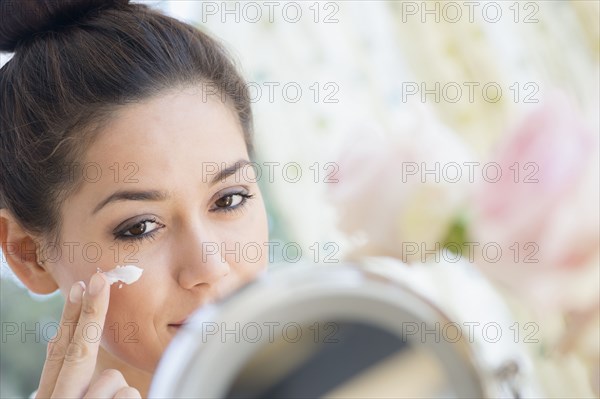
point(231, 201)
point(146, 227)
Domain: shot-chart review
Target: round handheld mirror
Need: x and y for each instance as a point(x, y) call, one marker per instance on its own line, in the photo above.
point(319, 331)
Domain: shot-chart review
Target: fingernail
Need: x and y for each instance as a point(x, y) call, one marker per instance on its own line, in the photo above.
point(76, 292)
point(96, 284)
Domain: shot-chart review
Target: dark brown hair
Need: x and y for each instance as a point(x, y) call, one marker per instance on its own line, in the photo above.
point(75, 62)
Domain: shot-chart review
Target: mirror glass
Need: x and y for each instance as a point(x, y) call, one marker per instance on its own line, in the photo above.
point(341, 359)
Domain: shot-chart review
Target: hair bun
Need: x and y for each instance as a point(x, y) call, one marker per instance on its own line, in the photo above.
point(20, 19)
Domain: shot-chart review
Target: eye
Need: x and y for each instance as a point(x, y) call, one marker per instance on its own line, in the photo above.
point(137, 229)
point(231, 201)
point(142, 229)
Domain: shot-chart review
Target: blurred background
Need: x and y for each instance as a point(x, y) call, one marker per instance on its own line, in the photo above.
point(323, 73)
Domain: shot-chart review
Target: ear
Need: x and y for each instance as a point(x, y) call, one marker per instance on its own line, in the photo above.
point(21, 252)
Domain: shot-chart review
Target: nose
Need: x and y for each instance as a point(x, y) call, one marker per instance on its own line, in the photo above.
point(201, 261)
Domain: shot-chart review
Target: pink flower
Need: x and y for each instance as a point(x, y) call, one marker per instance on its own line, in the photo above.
point(543, 211)
point(384, 194)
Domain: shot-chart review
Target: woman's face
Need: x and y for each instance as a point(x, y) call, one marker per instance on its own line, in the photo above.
point(152, 197)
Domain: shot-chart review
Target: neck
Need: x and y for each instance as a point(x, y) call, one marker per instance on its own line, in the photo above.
point(135, 377)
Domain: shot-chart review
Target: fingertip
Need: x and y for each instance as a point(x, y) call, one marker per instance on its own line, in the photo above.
point(128, 393)
point(97, 284)
point(76, 292)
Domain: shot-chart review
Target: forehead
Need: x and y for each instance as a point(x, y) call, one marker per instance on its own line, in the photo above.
point(176, 132)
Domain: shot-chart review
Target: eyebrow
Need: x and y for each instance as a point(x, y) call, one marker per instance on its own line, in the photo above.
point(228, 171)
point(132, 195)
point(156, 195)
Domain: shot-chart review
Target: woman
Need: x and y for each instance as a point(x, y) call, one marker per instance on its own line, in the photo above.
point(125, 138)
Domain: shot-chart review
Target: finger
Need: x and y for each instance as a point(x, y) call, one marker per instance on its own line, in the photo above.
point(107, 385)
point(57, 346)
point(80, 358)
point(128, 393)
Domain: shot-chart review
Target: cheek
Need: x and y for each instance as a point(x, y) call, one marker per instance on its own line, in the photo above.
point(78, 257)
point(130, 331)
point(73, 268)
point(251, 238)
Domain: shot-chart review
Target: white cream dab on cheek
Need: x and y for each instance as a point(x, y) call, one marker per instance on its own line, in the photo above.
point(126, 274)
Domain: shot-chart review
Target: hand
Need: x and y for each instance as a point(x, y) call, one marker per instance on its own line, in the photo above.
point(71, 356)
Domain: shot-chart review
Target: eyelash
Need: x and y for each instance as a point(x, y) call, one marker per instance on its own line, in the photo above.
point(120, 235)
point(236, 208)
